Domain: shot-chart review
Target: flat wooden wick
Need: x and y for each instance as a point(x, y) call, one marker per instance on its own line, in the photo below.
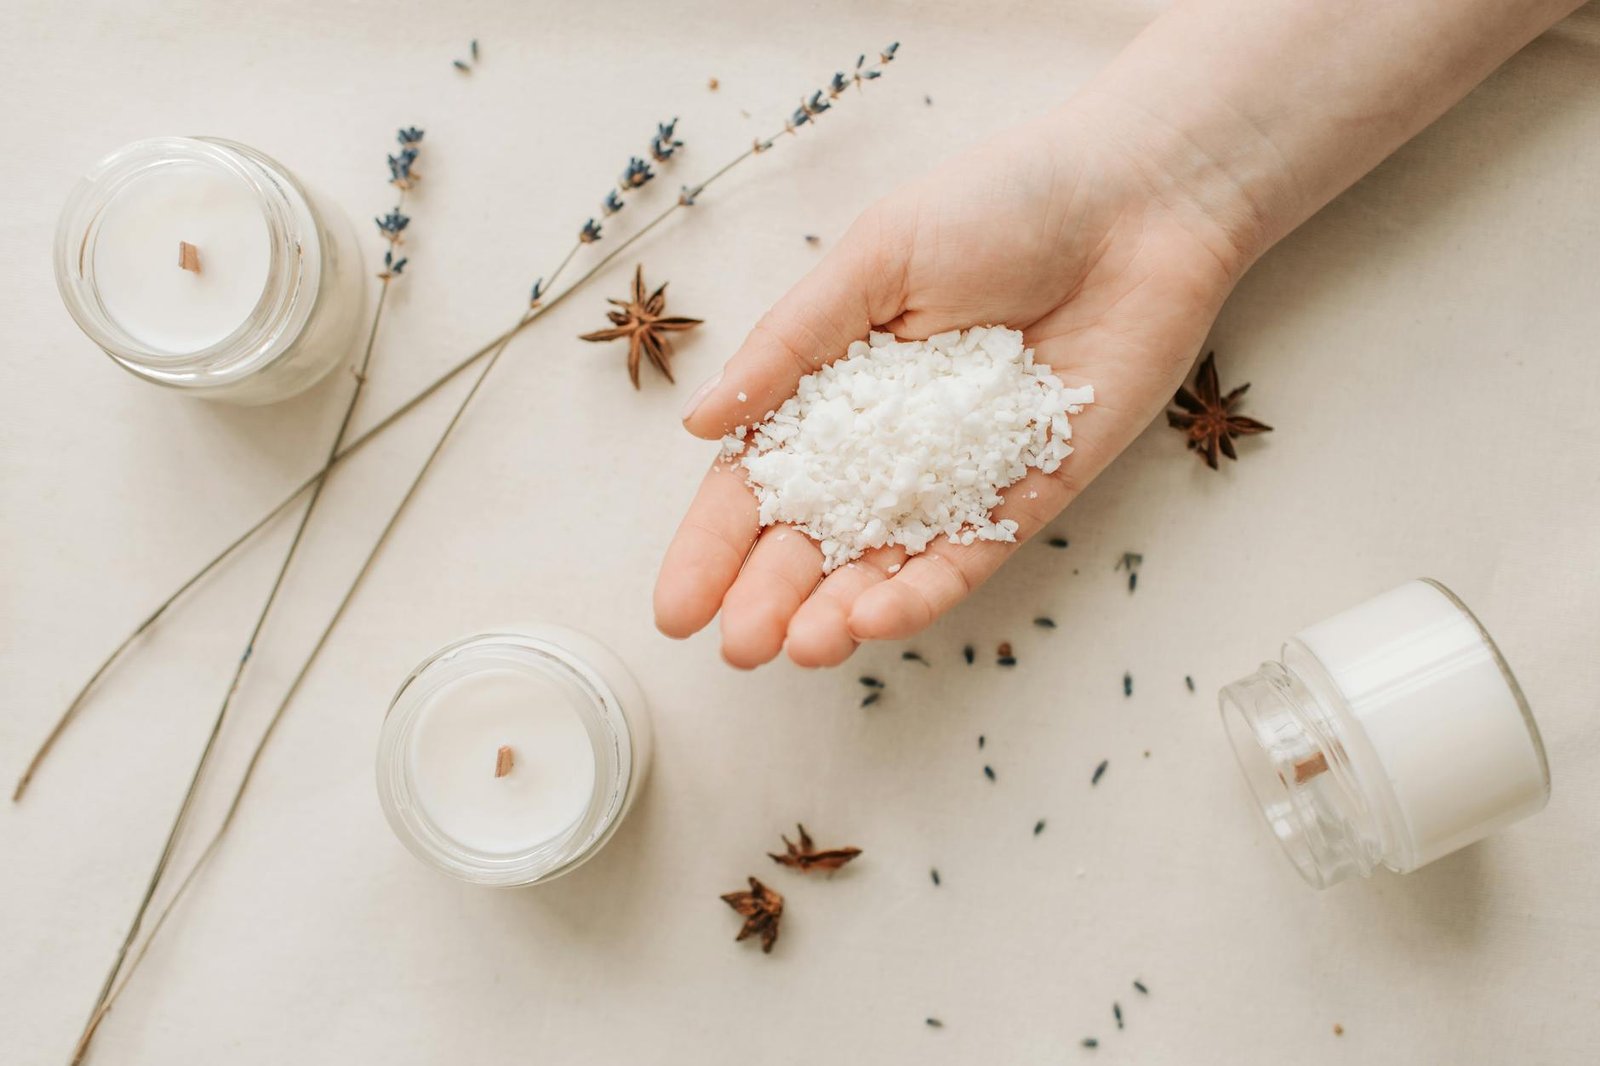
point(1305, 771)
point(188, 256)
point(503, 761)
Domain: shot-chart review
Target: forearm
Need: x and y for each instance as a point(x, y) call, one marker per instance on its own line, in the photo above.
point(1259, 112)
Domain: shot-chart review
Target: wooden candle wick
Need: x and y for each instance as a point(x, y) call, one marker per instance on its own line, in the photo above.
point(1306, 770)
point(503, 761)
point(188, 256)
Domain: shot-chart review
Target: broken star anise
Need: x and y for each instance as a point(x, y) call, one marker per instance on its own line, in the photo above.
point(1207, 418)
point(804, 856)
point(640, 320)
point(762, 909)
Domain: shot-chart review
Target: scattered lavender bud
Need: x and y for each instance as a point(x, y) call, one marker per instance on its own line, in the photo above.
point(1127, 684)
point(934, 873)
point(1189, 681)
point(870, 698)
point(1045, 623)
point(1038, 827)
point(969, 653)
point(1099, 771)
point(871, 682)
point(1139, 985)
point(934, 1023)
point(988, 771)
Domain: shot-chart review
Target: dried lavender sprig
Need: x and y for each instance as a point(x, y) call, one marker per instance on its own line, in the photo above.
point(390, 228)
point(494, 351)
point(686, 199)
point(535, 309)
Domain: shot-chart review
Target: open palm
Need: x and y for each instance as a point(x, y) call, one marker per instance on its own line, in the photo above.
point(1113, 276)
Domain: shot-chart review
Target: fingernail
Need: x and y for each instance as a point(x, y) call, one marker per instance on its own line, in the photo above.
point(699, 395)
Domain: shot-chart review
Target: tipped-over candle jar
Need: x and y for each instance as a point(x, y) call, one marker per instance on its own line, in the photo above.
point(1389, 735)
point(203, 265)
point(510, 758)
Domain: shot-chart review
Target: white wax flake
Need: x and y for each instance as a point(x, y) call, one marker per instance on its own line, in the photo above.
point(900, 442)
point(743, 397)
point(894, 568)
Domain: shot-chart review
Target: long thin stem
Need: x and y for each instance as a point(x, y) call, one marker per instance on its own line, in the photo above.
point(493, 351)
point(72, 709)
point(206, 751)
point(493, 354)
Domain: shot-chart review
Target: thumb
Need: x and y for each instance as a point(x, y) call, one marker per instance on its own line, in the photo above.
point(859, 283)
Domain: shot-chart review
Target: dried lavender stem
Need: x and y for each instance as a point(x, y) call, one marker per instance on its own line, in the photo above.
point(184, 807)
point(493, 351)
point(68, 715)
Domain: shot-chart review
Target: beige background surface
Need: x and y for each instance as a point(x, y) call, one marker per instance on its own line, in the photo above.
point(1426, 348)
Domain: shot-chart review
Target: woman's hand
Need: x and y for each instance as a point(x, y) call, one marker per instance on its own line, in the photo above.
point(1109, 233)
point(1110, 269)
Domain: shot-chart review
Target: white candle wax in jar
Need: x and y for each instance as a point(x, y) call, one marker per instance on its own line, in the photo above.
point(204, 265)
point(510, 758)
point(136, 259)
point(493, 802)
point(1391, 734)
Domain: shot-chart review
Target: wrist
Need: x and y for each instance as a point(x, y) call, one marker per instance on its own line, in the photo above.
point(1212, 173)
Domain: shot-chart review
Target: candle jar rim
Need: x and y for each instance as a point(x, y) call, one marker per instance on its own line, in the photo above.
point(289, 294)
point(614, 720)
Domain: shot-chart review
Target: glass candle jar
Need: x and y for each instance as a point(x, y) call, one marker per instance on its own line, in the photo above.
point(510, 758)
point(204, 265)
point(1391, 734)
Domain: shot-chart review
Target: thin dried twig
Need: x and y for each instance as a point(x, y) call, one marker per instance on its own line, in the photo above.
point(492, 352)
point(391, 227)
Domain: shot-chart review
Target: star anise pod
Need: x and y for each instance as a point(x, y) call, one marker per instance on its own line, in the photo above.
point(1207, 418)
point(804, 856)
point(762, 909)
point(640, 320)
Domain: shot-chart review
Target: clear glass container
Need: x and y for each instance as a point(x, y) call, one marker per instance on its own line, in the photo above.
point(128, 215)
point(460, 816)
point(1389, 735)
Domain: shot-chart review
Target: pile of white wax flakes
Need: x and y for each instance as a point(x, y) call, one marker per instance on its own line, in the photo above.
point(901, 441)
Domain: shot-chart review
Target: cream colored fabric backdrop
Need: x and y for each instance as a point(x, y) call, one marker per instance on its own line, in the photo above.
point(1427, 348)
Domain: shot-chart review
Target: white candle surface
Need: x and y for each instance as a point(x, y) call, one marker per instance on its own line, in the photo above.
point(453, 751)
point(1438, 716)
point(136, 265)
